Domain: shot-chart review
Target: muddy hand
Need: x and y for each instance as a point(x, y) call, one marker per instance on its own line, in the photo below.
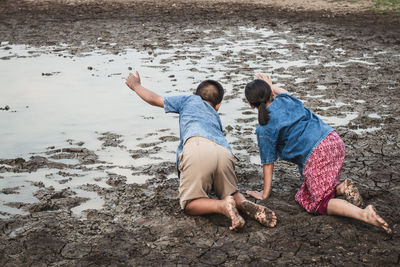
point(132, 81)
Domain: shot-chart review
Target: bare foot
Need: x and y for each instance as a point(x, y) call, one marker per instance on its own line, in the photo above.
point(373, 218)
point(260, 213)
point(231, 212)
point(351, 193)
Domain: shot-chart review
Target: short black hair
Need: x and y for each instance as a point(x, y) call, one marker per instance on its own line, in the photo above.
point(210, 91)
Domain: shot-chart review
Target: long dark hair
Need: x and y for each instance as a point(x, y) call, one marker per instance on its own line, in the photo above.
point(258, 93)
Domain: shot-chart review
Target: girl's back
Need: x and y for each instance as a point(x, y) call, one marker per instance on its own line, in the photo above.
point(291, 133)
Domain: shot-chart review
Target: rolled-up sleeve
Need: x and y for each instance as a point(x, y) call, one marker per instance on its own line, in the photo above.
point(267, 148)
point(173, 103)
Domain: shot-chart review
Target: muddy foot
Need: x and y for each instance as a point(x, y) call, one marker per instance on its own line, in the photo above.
point(232, 212)
point(351, 193)
point(260, 213)
point(373, 218)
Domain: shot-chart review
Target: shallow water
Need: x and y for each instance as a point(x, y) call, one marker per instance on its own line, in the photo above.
point(56, 99)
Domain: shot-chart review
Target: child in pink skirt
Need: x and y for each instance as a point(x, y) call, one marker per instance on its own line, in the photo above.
point(291, 132)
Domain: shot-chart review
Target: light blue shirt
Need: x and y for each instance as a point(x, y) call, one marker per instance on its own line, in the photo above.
point(196, 118)
point(292, 132)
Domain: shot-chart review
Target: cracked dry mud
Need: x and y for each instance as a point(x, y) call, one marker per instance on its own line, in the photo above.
point(141, 224)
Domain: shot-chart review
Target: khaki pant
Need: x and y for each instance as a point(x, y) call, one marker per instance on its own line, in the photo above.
point(205, 165)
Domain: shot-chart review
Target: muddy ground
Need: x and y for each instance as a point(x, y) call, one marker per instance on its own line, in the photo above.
point(142, 225)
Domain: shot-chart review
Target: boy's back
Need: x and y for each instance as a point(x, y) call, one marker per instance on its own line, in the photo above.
point(196, 118)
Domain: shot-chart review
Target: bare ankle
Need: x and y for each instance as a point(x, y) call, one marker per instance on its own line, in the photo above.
point(239, 198)
point(340, 189)
point(365, 214)
point(230, 211)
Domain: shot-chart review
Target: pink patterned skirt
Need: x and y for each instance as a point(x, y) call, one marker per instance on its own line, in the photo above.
point(322, 174)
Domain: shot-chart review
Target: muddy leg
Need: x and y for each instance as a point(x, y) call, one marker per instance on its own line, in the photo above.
point(232, 212)
point(350, 192)
point(259, 213)
point(226, 206)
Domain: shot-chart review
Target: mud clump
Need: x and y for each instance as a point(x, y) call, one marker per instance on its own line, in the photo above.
point(110, 139)
point(7, 107)
point(33, 164)
point(11, 190)
point(83, 155)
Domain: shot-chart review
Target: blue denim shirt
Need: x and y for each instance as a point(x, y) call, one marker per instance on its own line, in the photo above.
point(292, 132)
point(196, 118)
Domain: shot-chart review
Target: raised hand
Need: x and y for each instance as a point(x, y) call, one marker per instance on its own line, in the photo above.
point(133, 81)
point(265, 78)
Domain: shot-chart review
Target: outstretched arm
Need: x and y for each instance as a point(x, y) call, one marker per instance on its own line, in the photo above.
point(275, 89)
point(268, 171)
point(147, 95)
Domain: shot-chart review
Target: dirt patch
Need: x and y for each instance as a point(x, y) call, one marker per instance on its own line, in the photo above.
point(54, 22)
point(142, 224)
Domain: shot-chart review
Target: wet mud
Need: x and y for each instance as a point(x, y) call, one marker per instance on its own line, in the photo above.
point(141, 224)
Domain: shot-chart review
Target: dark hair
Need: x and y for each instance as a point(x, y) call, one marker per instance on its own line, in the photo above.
point(258, 93)
point(210, 91)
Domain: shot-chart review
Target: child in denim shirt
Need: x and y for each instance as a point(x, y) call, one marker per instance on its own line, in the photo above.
point(204, 157)
point(291, 132)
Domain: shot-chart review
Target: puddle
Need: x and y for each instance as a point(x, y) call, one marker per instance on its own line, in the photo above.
point(336, 121)
point(366, 130)
point(138, 178)
point(359, 101)
point(94, 202)
point(374, 116)
point(321, 87)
